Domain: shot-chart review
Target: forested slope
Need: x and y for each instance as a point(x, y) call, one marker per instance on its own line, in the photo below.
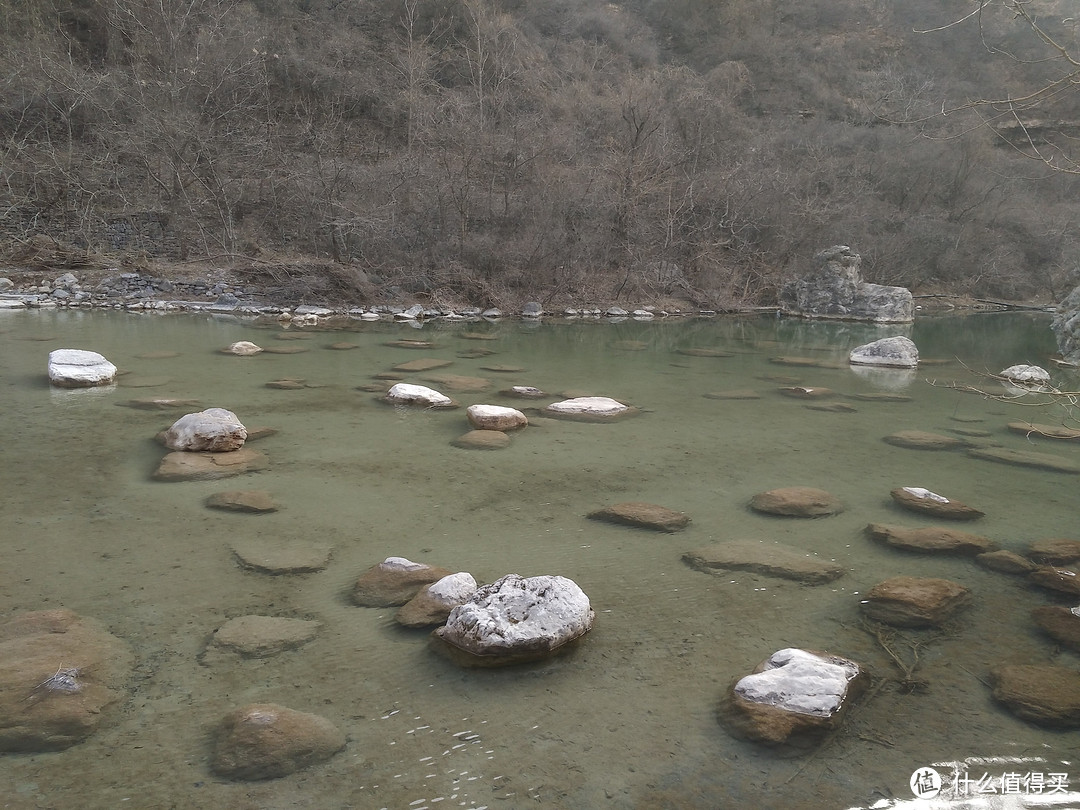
point(564, 149)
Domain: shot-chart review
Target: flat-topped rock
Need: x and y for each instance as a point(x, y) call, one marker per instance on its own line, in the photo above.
point(183, 465)
point(768, 558)
point(797, 502)
point(914, 601)
point(159, 403)
point(923, 440)
point(642, 515)
point(1026, 458)
point(482, 440)
point(418, 396)
point(433, 603)
point(1005, 562)
point(516, 620)
point(737, 393)
point(394, 582)
point(589, 409)
point(807, 392)
point(495, 417)
point(460, 382)
point(1060, 623)
point(1055, 551)
point(524, 392)
point(1045, 431)
point(281, 556)
point(423, 364)
point(703, 351)
point(918, 499)
point(264, 636)
point(794, 696)
point(1060, 580)
point(934, 539)
point(242, 500)
point(267, 741)
point(1045, 695)
point(77, 368)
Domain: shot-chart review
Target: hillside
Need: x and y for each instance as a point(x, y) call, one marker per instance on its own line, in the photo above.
point(488, 150)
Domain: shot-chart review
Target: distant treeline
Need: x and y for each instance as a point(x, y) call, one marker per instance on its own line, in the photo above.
point(482, 149)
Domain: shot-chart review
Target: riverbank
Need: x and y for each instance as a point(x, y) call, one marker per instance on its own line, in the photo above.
point(196, 289)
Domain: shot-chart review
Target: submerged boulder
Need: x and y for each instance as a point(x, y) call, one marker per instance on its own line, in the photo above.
point(836, 290)
point(918, 499)
point(794, 694)
point(1045, 695)
point(266, 741)
point(771, 559)
point(914, 601)
point(516, 620)
point(642, 515)
point(797, 502)
point(62, 676)
point(1060, 623)
point(76, 368)
point(933, 539)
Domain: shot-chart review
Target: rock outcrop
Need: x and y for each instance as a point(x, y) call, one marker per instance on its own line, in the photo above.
point(1066, 326)
point(836, 290)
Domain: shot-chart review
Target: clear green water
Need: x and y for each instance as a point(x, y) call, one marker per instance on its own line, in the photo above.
point(629, 719)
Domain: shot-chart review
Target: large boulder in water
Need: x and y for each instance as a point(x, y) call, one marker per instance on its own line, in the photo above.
point(214, 430)
point(836, 290)
point(891, 352)
point(76, 368)
point(794, 694)
point(516, 619)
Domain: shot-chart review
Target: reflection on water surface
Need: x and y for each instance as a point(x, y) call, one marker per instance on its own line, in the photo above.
point(629, 719)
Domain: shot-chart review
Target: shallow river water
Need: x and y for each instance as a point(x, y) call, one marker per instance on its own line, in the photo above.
point(629, 718)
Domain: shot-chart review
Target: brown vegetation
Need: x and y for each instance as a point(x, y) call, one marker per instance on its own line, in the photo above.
point(485, 150)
